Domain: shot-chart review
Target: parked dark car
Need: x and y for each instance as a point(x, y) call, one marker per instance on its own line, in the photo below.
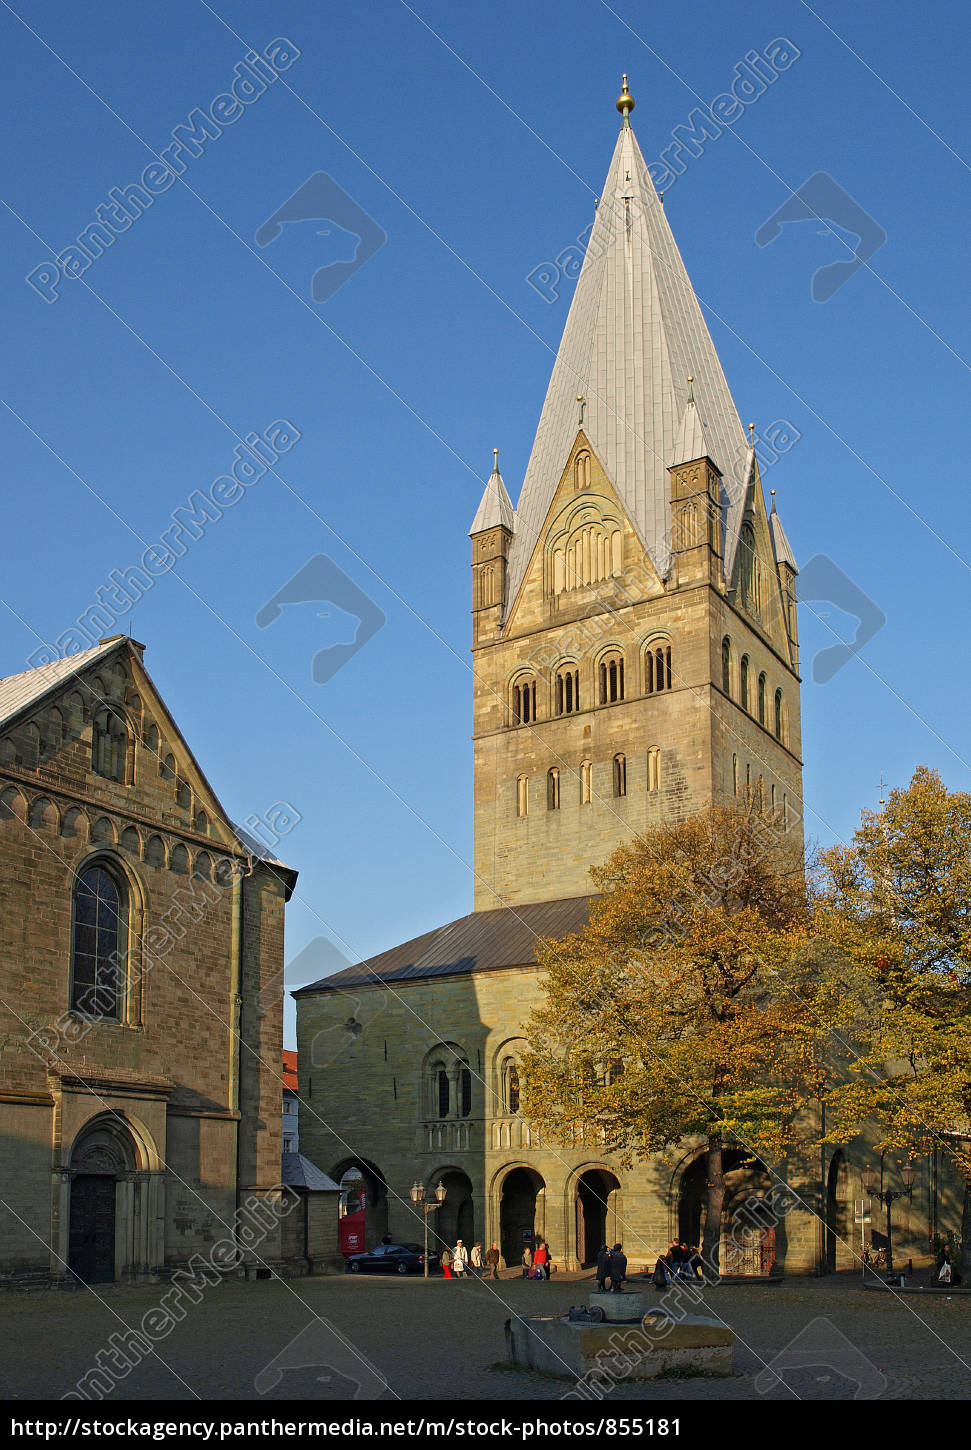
point(392, 1259)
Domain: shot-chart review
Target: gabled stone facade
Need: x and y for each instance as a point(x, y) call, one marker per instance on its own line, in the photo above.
point(140, 1112)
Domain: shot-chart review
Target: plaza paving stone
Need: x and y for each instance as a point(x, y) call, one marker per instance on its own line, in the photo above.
point(443, 1340)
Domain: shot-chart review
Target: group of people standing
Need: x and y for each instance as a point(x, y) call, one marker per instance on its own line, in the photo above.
point(458, 1262)
point(682, 1261)
point(536, 1262)
point(612, 1265)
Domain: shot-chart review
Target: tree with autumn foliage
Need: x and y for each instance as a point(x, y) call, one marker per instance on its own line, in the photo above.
point(897, 904)
point(684, 1007)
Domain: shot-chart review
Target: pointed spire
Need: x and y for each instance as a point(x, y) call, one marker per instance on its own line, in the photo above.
point(495, 506)
point(634, 333)
point(780, 544)
point(691, 443)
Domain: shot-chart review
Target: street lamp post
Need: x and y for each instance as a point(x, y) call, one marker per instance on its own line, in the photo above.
point(417, 1191)
point(889, 1197)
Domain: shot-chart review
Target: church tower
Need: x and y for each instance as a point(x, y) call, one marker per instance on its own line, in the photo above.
point(634, 625)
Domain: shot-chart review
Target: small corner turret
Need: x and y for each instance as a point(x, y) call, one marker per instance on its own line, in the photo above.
point(696, 533)
point(491, 534)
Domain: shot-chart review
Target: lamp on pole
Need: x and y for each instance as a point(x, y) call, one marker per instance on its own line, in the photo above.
point(889, 1196)
point(417, 1192)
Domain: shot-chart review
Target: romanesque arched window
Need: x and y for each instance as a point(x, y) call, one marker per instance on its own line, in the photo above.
point(779, 716)
point(510, 1086)
point(761, 699)
point(553, 789)
point(109, 745)
point(586, 782)
point(581, 470)
point(465, 1092)
point(654, 768)
point(524, 700)
point(522, 795)
point(657, 667)
point(620, 775)
point(442, 1088)
point(727, 666)
point(99, 943)
point(611, 678)
point(743, 699)
point(566, 690)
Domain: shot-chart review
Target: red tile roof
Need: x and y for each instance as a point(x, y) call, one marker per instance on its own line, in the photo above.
point(290, 1070)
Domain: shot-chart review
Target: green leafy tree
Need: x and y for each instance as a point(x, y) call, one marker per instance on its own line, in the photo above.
point(684, 1007)
point(897, 904)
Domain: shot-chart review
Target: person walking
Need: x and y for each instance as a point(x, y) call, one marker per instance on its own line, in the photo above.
point(541, 1260)
point(447, 1262)
point(492, 1259)
point(460, 1259)
point(618, 1268)
point(527, 1261)
point(475, 1260)
point(603, 1268)
point(695, 1262)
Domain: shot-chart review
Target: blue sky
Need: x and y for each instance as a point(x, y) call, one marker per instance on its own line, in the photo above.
point(476, 138)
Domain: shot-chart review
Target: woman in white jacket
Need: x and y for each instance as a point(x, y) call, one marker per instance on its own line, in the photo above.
point(460, 1259)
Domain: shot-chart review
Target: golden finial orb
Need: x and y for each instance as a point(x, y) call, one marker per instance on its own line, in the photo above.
point(625, 101)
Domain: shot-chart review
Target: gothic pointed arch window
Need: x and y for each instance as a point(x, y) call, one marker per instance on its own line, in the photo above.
point(109, 745)
point(743, 699)
point(524, 700)
point(99, 943)
point(553, 789)
point(727, 666)
point(566, 690)
point(620, 775)
point(611, 678)
point(586, 782)
point(657, 667)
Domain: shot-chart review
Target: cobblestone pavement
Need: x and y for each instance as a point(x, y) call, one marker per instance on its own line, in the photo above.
point(444, 1341)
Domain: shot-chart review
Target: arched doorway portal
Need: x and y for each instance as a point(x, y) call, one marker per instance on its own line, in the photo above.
point(522, 1213)
point(114, 1212)
point(596, 1213)
point(456, 1217)
point(745, 1245)
point(368, 1189)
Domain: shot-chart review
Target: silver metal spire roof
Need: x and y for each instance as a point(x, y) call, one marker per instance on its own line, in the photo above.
point(633, 336)
point(495, 506)
point(780, 544)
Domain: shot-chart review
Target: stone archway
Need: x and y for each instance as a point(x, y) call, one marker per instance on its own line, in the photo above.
point(746, 1245)
point(114, 1210)
point(522, 1213)
point(596, 1210)
point(374, 1195)
point(836, 1208)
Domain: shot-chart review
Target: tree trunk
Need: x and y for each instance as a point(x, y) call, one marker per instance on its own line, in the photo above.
point(966, 1230)
point(713, 1210)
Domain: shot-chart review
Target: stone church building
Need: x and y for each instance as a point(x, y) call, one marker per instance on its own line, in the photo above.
point(635, 659)
point(141, 1002)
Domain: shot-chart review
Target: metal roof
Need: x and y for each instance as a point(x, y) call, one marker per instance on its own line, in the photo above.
point(480, 942)
point(495, 506)
point(298, 1172)
point(18, 692)
point(634, 334)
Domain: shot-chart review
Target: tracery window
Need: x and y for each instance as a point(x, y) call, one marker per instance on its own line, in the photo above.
point(98, 944)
